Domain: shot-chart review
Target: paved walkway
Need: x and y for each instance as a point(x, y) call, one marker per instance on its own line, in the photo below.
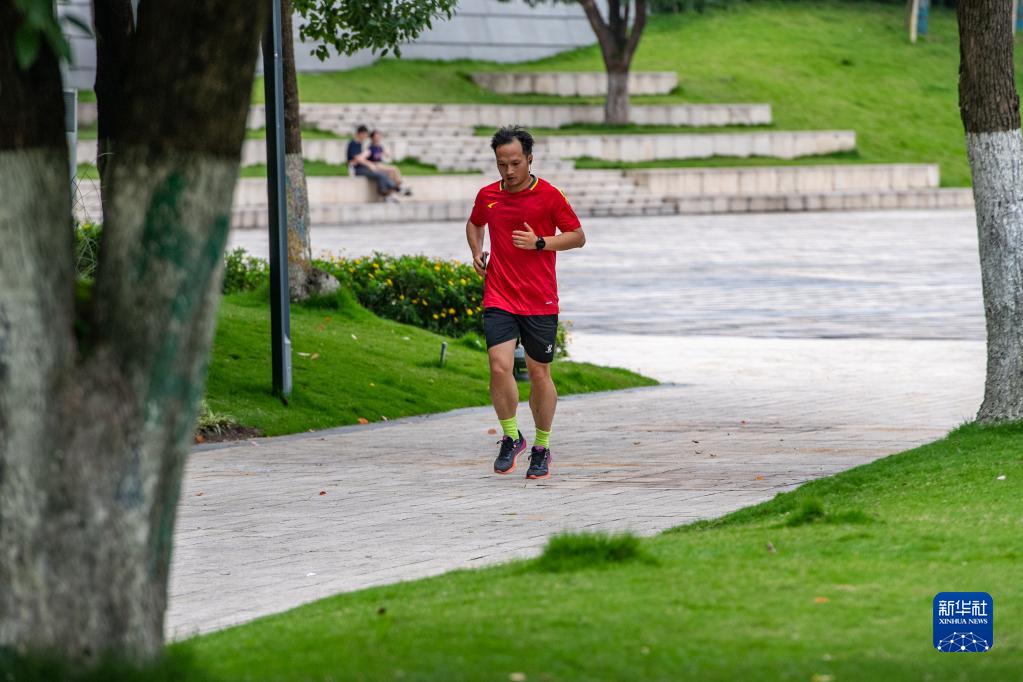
point(881, 349)
point(416, 498)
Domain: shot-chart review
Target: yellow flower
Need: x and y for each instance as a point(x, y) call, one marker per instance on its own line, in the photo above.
point(389, 282)
point(376, 266)
point(462, 280)
point(401, 297)
point(451, 282)
point(451, 311)
point(468, 311)
point(437, 267)
point(357, 261)
point(415, 300)
point(435, 316)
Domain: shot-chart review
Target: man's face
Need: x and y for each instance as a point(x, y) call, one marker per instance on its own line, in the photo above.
point(512, 164)
point(361, 135)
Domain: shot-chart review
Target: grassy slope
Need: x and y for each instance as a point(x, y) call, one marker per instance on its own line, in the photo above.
point(388, 369)
point(850, 599)
point(820, 65)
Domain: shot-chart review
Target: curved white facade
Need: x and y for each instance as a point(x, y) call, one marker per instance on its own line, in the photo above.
point(481, 29)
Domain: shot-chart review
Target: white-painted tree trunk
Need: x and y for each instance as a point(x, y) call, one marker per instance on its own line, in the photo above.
point(996, 159)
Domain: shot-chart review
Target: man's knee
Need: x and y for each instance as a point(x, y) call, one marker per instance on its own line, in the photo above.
point(501, 366)
point(539, 371)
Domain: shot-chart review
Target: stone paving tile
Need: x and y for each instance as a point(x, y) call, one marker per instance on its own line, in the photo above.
point(261, 539)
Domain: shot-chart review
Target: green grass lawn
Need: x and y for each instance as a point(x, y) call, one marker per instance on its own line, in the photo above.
point(846, 595)
point(348, 364)
point(821, 65)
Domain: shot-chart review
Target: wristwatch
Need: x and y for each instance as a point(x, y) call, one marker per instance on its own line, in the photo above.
point(540, 243)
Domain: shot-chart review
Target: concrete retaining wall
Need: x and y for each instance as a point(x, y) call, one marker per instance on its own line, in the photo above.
point(536, 115)
point(569, 83)
point(779, 145)
point(702, 182)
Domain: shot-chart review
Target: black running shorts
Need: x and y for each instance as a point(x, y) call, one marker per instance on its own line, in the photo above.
point(537, 332)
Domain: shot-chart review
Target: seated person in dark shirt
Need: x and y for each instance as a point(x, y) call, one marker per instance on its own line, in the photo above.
point(358, 161)
point(377, 155)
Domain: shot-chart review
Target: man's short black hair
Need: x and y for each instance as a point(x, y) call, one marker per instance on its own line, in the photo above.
point(361, 129)
point(509, 133)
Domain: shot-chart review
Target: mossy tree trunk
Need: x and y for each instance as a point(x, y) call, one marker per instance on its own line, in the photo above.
point(299, 247)
point(989, 106)
point(97, 407)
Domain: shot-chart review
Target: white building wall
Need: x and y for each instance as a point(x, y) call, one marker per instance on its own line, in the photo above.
point(481, 29)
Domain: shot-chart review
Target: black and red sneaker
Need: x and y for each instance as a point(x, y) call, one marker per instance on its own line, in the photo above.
point(510, 451)
point(539, 462)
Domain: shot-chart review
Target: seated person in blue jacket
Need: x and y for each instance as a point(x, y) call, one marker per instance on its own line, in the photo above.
point(358, 161)
point(377, 154)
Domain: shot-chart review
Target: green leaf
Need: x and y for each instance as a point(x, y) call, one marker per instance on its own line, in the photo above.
point(26, 46)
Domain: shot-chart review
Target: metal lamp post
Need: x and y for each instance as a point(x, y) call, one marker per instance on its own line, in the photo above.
point(280, 314)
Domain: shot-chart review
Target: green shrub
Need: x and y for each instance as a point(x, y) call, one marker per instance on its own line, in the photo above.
point(243, 272)
point(443, 296)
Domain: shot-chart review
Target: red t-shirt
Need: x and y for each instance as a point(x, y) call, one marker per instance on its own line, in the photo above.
point(520, 281)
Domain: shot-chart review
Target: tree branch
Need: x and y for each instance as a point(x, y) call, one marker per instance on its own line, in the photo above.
point(114, 25)
point(600, 29)
point(637, 30)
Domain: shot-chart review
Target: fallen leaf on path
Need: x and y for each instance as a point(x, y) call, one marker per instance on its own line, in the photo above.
point(491, 431)
point(760, 478)
point(323, 492)
point(199, 438)
point(199, 494)
point(821, 600)
point(363, 420)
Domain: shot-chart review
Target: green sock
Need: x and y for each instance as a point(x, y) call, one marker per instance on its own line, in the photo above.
point(510, 426)
point(543, 438)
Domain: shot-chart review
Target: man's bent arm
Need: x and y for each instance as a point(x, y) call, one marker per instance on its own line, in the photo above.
point(565, 241)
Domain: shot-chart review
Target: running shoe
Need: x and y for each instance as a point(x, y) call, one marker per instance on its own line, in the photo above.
point(539, 462)
point(510, 451)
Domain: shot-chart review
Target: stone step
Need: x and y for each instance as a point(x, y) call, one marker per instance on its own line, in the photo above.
point(940, 198)
point(865, 200)
point(531, 115)
point(573, 83)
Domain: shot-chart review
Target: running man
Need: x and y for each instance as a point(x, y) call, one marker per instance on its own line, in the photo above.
point(520, 290)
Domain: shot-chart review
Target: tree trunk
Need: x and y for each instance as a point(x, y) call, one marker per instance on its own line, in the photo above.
point(618, 43)
point(96, 417)
point(300, 252)
point(616, 107)
point(114, 24)
point(989, 106)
